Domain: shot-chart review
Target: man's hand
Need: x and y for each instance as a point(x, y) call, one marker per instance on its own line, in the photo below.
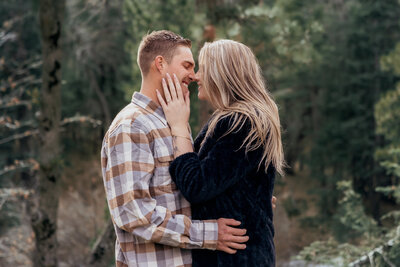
point(230, 239)
point(273, 201)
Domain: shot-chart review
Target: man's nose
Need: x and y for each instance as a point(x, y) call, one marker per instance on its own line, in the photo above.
point(193, 77)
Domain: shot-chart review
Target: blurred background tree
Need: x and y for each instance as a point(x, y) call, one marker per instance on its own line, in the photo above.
point(333, 67)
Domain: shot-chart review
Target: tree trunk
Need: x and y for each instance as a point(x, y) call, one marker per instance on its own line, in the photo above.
point(45, 201)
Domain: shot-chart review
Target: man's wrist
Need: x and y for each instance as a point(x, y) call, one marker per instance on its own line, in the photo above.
point(210, 239)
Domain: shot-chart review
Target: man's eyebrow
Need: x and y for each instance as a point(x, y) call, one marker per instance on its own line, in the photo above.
point(188, 62)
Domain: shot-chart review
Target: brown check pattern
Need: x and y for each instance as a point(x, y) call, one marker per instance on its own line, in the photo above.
point(151, 217)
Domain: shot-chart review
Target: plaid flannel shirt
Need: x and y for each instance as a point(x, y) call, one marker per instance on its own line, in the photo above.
point(151, 217)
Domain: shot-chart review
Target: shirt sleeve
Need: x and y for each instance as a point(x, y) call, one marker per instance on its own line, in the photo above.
point(132, 207)
point(225, 164)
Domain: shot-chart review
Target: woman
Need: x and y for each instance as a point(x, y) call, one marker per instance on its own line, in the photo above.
point(232, 169)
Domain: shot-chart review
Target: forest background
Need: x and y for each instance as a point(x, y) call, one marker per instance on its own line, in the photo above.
point(68, 67)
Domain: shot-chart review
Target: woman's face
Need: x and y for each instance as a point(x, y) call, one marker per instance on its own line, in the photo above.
point(199, 78)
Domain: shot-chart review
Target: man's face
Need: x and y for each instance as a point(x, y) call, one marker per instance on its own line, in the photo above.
point(182, 64)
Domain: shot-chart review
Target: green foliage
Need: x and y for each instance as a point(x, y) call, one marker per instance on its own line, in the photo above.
point(351, 215)
point(358, 225)
point(343, 254)
point(391, 162)
point(392, 60)
point(330, 252)
point(326, 63)
point(393, 191)
point(323, 70)
point(387, 114)
point(346, 139)
point(382, 249)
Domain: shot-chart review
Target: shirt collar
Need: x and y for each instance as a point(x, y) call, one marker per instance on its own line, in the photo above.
point(145, 102)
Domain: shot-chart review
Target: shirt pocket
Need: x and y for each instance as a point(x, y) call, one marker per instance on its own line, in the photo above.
point(163, 156)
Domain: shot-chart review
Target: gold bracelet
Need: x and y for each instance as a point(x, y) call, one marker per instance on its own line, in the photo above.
point(182, 137)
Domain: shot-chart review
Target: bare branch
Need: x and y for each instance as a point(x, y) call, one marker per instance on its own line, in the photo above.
point(81, 119)
point(20, 164)
point(18, 136)
point(14, 103)
point(4, 37)
point(379, 250)
point(7, 122)
point(13, 193)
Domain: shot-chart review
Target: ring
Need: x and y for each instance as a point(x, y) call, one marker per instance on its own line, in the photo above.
point(168, 101)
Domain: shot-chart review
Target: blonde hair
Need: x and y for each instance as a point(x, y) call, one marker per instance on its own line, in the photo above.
point(234, 85)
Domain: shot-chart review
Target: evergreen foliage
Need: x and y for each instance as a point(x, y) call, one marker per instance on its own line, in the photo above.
point(377, 245)
point(333, 67)
point(367, 243)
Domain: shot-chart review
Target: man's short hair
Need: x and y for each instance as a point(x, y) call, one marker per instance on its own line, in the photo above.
point(163, 43)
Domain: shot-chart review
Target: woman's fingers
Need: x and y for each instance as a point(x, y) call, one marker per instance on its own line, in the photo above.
point(187, 99)
point(171, 86)
point(178, 88)
point(273, 201)
point(166, 91)
point(161, 99)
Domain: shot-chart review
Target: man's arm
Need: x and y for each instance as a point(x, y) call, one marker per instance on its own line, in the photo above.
point(133, 209)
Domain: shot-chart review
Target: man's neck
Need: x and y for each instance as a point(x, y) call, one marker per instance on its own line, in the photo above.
point(149, 86)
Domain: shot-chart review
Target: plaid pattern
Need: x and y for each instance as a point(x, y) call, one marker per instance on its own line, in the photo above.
point(151, 217)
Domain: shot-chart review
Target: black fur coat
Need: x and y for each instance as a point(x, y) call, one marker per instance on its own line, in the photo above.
point(222, 181)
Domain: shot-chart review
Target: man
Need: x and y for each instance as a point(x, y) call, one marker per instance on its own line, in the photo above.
point(151, 217)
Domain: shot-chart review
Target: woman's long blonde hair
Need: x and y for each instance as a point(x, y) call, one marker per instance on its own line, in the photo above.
point(234, 85)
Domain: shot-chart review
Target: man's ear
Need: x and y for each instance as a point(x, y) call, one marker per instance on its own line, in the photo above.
point(159, 62)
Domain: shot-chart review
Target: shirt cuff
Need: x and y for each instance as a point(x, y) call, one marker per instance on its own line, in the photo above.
point(210, 234)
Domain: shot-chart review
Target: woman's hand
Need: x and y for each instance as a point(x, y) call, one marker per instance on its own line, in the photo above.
point(176, 106)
